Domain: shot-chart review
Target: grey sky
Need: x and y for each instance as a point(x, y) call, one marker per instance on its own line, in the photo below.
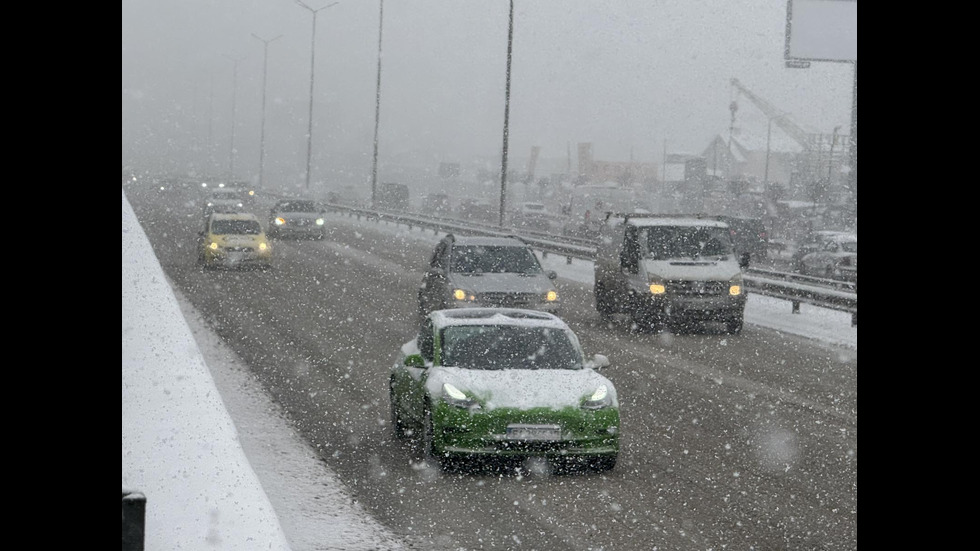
point(625, 75)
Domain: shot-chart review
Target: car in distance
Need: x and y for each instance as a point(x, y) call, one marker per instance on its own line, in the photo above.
point(297, 218)
point(223, 200)
point(469, 271)
point(504, 384)
point(669, 270)
point(828, 254)
point(233, 240)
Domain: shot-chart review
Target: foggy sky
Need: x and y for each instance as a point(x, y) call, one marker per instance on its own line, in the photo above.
point(626, 75)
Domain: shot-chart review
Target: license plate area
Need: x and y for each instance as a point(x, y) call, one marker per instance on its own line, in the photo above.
point(533, 433)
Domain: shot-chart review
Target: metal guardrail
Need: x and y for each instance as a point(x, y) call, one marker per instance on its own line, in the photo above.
point(796, 288)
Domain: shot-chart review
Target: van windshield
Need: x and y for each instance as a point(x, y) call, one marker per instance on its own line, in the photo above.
point(682, 242)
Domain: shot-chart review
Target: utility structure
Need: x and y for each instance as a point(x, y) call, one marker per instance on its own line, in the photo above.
point(809, 162)
point(309, 131)
point(265, 66)
point(377, 111)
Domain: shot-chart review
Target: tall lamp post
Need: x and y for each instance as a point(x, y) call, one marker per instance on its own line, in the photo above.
point(265, 66)
point(377, 114)
point(309, 132)
point(503, 156)
point(234, 92)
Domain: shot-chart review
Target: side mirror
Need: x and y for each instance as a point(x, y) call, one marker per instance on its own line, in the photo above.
point(743, 261)
point(414, 360)
point(598, 362)
point(552, 274)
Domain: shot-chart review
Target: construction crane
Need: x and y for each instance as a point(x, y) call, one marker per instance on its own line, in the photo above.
point(779, 117)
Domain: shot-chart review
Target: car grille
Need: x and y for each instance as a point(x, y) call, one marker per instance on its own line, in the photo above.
point(698, 288)
point(509, 300)
point(240, 249)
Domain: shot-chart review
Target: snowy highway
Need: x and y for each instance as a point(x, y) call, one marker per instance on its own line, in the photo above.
point(746, 442)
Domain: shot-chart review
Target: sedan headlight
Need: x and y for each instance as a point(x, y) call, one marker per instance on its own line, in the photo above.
point(279, 221)
point(463, 295)
point(319, 221)
point(263, 246)
point(735, 286)
point(551, 296)
point(599, 399)
point(455, 397)
point(213, 245)
point(657, 286)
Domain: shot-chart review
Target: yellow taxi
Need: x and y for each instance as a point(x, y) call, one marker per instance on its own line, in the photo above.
point(234, 240)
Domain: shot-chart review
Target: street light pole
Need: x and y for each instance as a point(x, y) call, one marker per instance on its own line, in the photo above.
point(377, 114)
point(234, 92)
point(503, 156)
point(265, 66)
point(765, 179)
point(309, 132)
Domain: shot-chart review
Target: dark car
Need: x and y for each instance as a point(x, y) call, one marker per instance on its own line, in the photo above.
point(470, 271)
point(297, 218)
point(749, 235)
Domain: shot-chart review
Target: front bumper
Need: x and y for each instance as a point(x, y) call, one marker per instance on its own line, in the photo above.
point(704, 308)
point(460, 433)
point(237, 259)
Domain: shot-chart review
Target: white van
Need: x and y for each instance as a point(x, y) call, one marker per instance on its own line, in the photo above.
point(662, 269)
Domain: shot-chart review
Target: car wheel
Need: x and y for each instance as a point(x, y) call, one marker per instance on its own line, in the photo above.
point(603, 302)
point(647, 322)
point(734, 324)
point(396, 420)
point(428, 439)
point(605, 463)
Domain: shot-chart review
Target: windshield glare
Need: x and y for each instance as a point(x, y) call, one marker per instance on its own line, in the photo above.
point(508, 347)
point(494, 259)
point(664, 243)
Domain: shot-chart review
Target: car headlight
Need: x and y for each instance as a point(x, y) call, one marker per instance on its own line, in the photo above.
point(213, 246)
point(279, 221)
point(319, 221)
point(263, 246)
point(657, 286)
point(455, 397)
point(599, 399)
point(551, 296)
point(463, 295)
point(735, 286)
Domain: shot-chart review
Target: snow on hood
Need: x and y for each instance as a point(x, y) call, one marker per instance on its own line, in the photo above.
point(521, 388)
point(503, 283)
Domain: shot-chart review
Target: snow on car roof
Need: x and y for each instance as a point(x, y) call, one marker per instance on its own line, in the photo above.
point(496, 316)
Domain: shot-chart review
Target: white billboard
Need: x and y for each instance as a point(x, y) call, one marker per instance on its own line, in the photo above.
point(821, 30)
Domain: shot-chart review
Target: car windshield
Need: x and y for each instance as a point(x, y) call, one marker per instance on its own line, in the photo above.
point(493, 259)
point(236, 227)
point(297, 206)
point(492, 347)
point(674, 242)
